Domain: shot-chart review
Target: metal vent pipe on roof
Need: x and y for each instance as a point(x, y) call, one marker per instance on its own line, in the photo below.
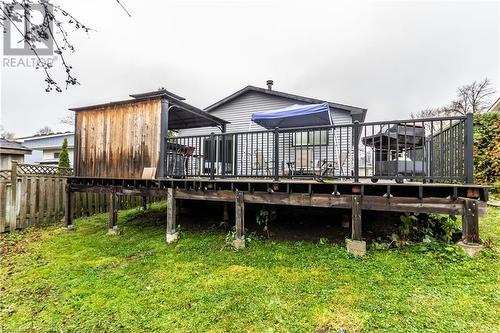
point(269, 84)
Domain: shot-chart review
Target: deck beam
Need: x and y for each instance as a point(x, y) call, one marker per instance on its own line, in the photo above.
point(377, 203)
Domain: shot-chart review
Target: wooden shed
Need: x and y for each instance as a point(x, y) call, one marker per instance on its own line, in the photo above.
point(123, 139)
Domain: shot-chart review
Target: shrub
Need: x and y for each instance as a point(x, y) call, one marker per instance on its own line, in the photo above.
point(64, 156)
point(487, 148)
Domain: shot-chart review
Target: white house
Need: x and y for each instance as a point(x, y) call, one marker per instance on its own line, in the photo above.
point(303, 150)
point(46, 148)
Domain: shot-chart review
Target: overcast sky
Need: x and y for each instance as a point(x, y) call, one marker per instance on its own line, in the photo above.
point(393, 58)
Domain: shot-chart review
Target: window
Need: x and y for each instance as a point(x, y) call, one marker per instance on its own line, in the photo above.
point(312, 138)
point(56, 155)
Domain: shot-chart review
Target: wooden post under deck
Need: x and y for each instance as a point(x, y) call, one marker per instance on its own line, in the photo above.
point(68, 217)
point(356, 218)
point(470, 221)
point(239, 241)
point(144, 202)
point(113, 213)
point(225, 217)
point(356, 245)
point(171, 235)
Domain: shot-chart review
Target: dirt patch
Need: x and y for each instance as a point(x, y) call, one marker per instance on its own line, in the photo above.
point(290, 223)
point(18, 241)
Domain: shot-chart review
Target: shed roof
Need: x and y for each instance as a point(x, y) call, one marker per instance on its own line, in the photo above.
point(356, 112)
point(13, 146)
point(181, 114)
point(159, 92)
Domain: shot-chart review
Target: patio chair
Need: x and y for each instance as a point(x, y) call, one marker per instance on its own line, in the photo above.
point(326, 168)
point(260, 163)
point(303, 164)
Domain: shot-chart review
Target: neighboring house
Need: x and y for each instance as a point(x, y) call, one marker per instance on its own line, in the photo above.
point(495, 107)
point(305, 149)
point(46, 148)
point(11, 151)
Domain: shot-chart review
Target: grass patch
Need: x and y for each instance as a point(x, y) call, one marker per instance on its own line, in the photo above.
point(88, 281)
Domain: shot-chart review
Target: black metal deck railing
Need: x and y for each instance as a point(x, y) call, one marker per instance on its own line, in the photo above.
point(434, 149)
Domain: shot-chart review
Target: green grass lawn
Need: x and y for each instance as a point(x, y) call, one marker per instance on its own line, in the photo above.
point(88, 281)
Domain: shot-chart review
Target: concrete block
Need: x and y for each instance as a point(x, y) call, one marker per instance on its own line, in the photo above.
point(172, 237)
point(239, 243)
point(471, 249)
point(357, 248)
point(114, 231)
point(69, 227)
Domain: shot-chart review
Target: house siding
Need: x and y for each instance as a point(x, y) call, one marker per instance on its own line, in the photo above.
point(239, 111)
point(43, 147)
point(253, 148)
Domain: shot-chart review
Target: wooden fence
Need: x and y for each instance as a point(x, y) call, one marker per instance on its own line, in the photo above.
point(39, 197)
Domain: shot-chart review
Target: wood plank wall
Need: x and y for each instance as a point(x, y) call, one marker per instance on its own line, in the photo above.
point(118, 141)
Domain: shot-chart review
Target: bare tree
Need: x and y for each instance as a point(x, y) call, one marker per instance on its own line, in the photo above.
point(474, 97)
point(44, 131)
point(68, 120)
point(5, 134)
point(56, 22)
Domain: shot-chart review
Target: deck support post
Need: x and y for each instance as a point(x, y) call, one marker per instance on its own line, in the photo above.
point(171, 235)
point(68, 214)
point(356, 217)
point(345, 221)
point(144, 202)
point(239, 237)
point(470, 221)
point(113, 213)
point(356, 245)
point(470, 242)
point(225, 216)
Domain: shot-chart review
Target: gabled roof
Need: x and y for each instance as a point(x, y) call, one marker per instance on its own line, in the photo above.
point(44, 136)
point(495, 107)
point(360, 113)
point(12, 145)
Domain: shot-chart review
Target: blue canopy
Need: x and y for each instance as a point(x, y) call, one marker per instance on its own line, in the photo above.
point(295, 116)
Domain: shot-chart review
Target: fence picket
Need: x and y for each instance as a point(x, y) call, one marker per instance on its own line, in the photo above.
point(3, 205)
point(50, 199)
point(33, 197)
point(24, 202)
point(57, 199)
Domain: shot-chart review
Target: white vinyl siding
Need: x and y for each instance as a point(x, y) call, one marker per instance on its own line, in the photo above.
point(254, 152)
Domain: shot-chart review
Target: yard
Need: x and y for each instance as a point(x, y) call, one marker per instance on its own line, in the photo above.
point(88, 281)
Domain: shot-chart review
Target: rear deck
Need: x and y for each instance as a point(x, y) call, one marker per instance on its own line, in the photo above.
point(329, 166)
